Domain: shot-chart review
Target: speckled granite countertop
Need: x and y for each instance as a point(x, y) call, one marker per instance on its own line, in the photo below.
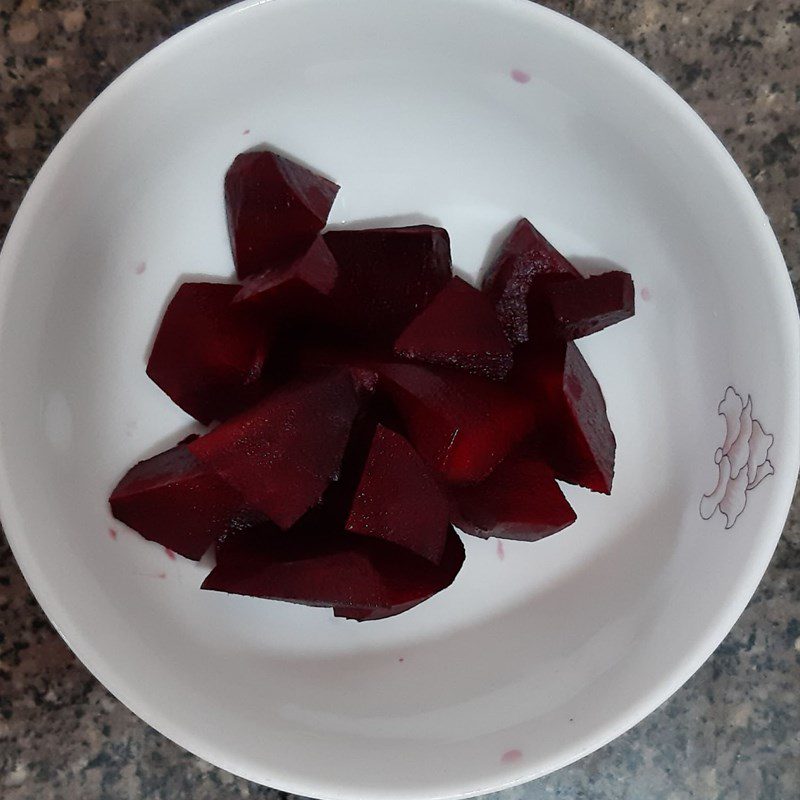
point(732, 732)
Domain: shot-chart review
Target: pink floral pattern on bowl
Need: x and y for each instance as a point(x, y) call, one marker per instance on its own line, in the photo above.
point(743, 460)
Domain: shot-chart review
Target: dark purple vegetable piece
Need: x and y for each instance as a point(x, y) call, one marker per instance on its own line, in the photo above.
point(275, 210)
point(208, 354)
point(574, 433)
point(387, 276)
point(320, 566)
point(463, 426)
point(519, 500)
point(458, 329)
point(299, 287)
point(282, 453)
point(398, 500)
point(173, 500)
point(516, 281)
point(581, 308)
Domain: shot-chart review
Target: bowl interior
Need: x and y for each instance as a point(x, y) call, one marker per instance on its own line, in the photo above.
point(469, 114)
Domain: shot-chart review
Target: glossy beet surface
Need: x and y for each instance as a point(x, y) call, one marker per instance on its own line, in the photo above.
point(398, 499)
point(580, 308)
point(209, 354)
point(282, 453)
point(523, 268)
point(387, 276)
point(458, 329)
point(574, 432)
point(519, 500)
point(275, 209)
point(461, 425)
point(359, 575)
point(295, 288)
point(174, 500)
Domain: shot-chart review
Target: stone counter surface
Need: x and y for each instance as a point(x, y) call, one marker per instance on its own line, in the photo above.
point(733, 731)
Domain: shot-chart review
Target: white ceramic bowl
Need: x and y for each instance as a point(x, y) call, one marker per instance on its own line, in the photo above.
point(469, 112)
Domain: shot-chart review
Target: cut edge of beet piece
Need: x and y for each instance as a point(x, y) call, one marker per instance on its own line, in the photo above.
point(173, 500)
point(298, 286)
point(282, 453)
point(208, 354)
point(520, 500)
point(581, 308)
point(398, 499)
point(525, 258)
point(462, 425)
point(386, 276)
point(459, 328)
point(275, 207)
point(586, 402)
point(573, 433)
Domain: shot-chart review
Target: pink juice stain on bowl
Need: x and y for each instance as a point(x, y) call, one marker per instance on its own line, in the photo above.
point(520, 76)
point(511, 756)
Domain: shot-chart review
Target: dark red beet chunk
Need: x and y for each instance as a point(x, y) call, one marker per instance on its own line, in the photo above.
point(298, 287)
point(209, 354)
point(575, 434)
point(526, 264)
point(458, 329)
point(584, 307)
point(519, 500)
point(398, 499)
point(461, 425)
point(275, 209)
point(173, 500)
point(282, 453)
point(358, 575)
point(387, 276)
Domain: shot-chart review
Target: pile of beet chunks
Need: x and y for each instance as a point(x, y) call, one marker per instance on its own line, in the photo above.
point(367, 401)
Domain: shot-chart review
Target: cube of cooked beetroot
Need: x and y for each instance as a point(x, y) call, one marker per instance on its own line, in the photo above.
point(581, 308)
point(208, 354)
point(282, 453)
point(387, 276)
point(275, 209)
point(299, 287)
point(515, 282)
point(519, 500)
point(174, 500)
point(458, 329)
point(462, 425)
point(398, 499)
point(329, 567)
point(574, 432)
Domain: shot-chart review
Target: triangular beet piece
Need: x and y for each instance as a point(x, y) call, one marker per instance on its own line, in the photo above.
point(209, 353)
point(387, 276)
point(174, 500)
point(462, 425)
point(321, 566)
point(275, 209)
point(525, 265)
point(298, 287)
point(282, 453)
point(398, 499)
point(574, 432)
point(583, 307)
point(519, 500)
point(458, 329)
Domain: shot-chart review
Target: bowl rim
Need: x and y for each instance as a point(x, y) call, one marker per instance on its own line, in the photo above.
point(786, 321)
